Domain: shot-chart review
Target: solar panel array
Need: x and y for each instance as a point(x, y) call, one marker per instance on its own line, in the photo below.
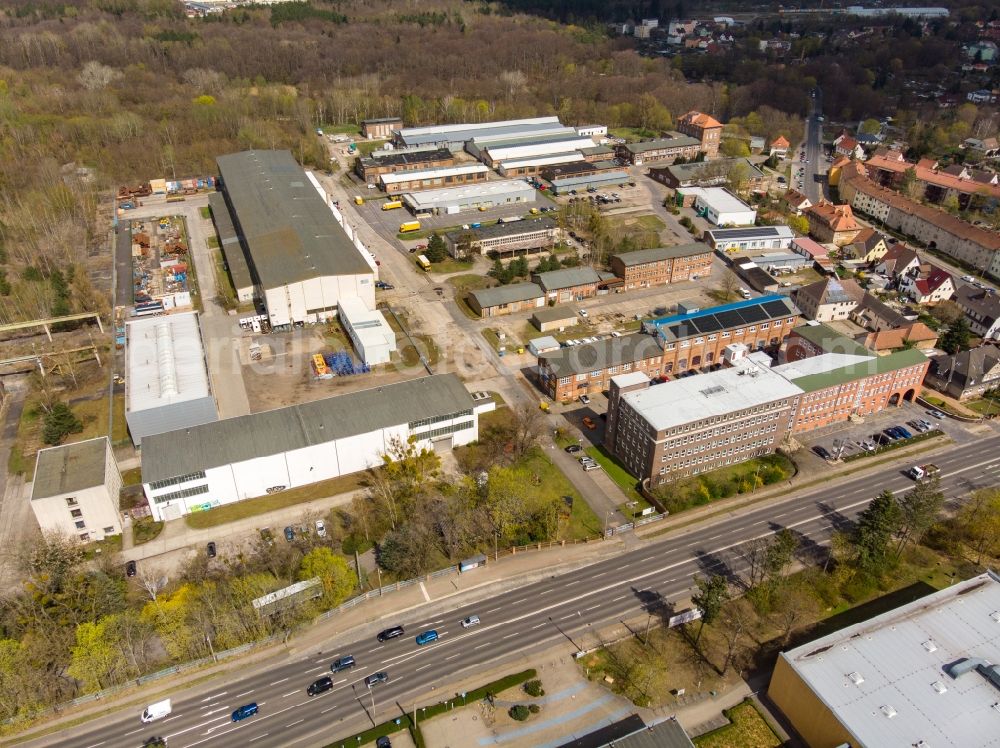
point(758, 232)
point(706, 323)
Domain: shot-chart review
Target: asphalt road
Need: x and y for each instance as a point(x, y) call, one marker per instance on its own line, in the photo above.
point(813, 147)
point(539, 615)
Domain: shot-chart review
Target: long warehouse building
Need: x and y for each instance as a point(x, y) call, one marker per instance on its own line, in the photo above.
point(455, 137)
point(202, 467)
point(301, 259)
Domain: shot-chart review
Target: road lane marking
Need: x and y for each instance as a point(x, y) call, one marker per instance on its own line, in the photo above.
point(94, 745)
point(509, 636)
point(423, 666)
point(538, 626)
point(277, 682)
point(196, 727)
point(290, 693)
point(297, 722)
point(593, 607)
point(330, 709)
point(484, 644)
point(258, 737)
point(217, 696)
point(245, 693)
point(134, 732)
point(423, 590)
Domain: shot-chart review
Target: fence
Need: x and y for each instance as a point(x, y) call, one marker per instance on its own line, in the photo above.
point(343, 607)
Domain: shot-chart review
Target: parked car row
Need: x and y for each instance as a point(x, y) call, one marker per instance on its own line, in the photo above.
point(589, 463)
point(882, 438)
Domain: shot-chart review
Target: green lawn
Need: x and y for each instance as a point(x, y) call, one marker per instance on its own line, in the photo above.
point(747, 729)
point(205, 212)
point(984, 406)
point(553, 486)
point(617, 472)
point(365, 147)
point(212, 241)
point(145, 529)
point(451, 266)
point(509, 343)
point(252, 507)
point(223, 283)
point(132, 477)
point(632, 134)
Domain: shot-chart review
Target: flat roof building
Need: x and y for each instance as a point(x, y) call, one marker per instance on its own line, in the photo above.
point(413, 159)
point(693, 425)
point(504, 239)
point(662, 149)
point(752, 237)
point(495, 154)
point(75, 490)
point(167, 385)
point(451, 200)
point(523, 167)
point(921, 674)
point(219, 463)
point(368, 330)
point(500, 300)
point(302, 260)
point(719, 206)
point(554, 318)
point(456, 136)
point(602, 178)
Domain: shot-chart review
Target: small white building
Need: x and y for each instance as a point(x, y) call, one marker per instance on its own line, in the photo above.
point(219, 463)
point(371, 335)
point(719, 206)
point(167, 384)
point(470, 197)
point(592, 131)
point(75, 490)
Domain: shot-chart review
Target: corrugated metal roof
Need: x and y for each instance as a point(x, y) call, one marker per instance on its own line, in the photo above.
point(563, 158)
point(70, 467)
point(512, 228)
point(289, 232)
point(601, 177)
point(166, 361)
point(536, 150)
point(236, 261)
point(553, 280)
point(444, 171)
point(642, 256)
point(488, 297)
point(467, 193)
point(459, 134)
point(554, 314)
point(895, 664)
point(677, 141)
point(285, 429)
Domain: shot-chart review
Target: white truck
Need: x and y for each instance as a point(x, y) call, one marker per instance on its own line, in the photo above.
point(155, 711)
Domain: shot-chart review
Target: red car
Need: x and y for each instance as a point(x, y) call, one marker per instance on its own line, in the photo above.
point(589, 423)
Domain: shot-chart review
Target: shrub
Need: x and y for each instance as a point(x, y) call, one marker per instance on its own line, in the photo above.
point(534, 708)
point(534, 688)
point(519, 712)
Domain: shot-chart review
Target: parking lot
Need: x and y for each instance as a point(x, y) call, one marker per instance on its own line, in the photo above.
point(845, 439)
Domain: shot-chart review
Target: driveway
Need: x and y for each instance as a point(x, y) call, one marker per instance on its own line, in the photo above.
point(16, 518)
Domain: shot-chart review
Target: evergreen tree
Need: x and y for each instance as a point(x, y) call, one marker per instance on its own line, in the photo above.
point(874, 531)
point(712, 594)
point(60, 422)
point(436, 251)
point(957, 336)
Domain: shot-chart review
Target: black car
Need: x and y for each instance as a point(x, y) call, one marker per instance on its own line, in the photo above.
point(383, 742)
point(574, 448)
point(822, 452)
point(323, 684)
point(130, 569)
point(211, 549)
point(391, 633)
point(289, 534)
point(375, 678)
point(343, 663)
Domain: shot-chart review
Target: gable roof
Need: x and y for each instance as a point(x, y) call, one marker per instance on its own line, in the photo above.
point(675, 141)
point(270, 432)
point(487, 297)
point(887, 340)
point(566, 278)
point(642, 256)
point(984, 303)
point(870, 366)
point(725, 317)
point(70, 467)
point(929, 278)
point(898, 255)
point(880, 310)
point(966, 368)
point(780, 142)
point(700, 119)
point(832, 290)
point(836, 217)
point(829, 340)
point(795, 198)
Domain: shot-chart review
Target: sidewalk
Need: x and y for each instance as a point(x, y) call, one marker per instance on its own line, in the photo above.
point(178, 536)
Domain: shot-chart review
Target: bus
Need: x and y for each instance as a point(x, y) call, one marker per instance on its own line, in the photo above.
point(408, 226)
point(423, 262)
point(392, 205)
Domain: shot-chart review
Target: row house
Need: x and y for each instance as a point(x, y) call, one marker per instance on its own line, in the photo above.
point(661, 265)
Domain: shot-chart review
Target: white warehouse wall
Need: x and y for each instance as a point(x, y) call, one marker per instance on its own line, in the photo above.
point(288, 304)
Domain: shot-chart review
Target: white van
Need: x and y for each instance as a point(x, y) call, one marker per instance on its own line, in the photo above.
point(159, 710)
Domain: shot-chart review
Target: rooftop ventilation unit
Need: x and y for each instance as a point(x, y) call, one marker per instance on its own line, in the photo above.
point(888, 711)
point(930, 646)
point(856, 678)
point(939, 687)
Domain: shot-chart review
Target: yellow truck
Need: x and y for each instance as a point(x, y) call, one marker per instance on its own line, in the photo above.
point(409, 226)
point(358, 200)
point(423, 262)
point(392, 205)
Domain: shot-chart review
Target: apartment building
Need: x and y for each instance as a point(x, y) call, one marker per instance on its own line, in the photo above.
point(654, 267)
point(706, 128)
point(662, 149)
point(697, 424)
point(829, 299)
point(697, 339)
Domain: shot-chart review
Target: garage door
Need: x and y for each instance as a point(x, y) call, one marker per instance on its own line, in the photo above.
point(442, 445)
point(172, 511)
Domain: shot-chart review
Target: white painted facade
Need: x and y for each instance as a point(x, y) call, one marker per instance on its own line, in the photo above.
point(282, 470)
point(591, 131)
point(371, 335)
point(316, 299)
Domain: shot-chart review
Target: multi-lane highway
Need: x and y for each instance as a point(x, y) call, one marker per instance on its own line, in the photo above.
point(543, 614)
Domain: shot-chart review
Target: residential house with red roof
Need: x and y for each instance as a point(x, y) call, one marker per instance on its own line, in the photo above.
point(797, 201)
point(832, 223)
point(704, 127)
point(780, 146)
point(898, 260)
point(868, 246)
point(927, 284)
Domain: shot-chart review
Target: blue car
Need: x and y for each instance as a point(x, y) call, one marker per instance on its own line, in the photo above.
point(904, 433)
point(247, 710)
point(427, 637)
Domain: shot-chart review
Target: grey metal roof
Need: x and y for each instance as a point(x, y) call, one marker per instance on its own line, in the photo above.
point(70, 467)
point(285, 429)
point(676, 141)
point(381, 120)
point(289, 232)
point(554, 314)
point(487, 297)
point(171, 417)
point(566, 278)
point(579, 359)
point(601, 177)
point(721, 167)
point(404, 158)
point(642, 256)
point(462, 133)
point(230, 242)
point(505, 229)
